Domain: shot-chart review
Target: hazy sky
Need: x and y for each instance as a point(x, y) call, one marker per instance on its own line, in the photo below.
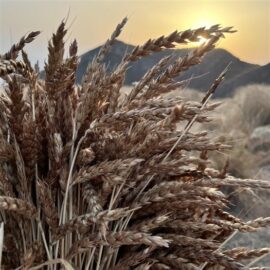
point(92, 21)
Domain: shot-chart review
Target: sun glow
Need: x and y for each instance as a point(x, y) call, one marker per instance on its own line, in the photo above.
point(147, 19)
point(206, 20)
point(202, 22)
point(201, 41)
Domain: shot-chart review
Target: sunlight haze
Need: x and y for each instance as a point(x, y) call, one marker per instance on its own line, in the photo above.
point(91, 23)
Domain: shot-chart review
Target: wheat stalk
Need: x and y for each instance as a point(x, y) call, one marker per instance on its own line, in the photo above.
point(92, 181)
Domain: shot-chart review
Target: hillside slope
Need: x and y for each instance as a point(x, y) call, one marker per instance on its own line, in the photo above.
point(211, 66)
point(259, 75)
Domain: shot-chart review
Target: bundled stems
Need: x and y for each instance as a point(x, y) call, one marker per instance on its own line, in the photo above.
point(92, 181)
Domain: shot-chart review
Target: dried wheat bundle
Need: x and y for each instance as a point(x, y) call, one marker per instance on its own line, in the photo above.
point(89, 180)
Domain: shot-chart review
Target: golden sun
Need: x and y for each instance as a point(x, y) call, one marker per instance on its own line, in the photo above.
point(202, 40)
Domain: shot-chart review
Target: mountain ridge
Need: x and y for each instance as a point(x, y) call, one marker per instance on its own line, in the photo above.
point(240, 73)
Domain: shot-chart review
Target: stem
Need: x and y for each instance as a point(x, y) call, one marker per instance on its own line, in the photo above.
point(72, 159)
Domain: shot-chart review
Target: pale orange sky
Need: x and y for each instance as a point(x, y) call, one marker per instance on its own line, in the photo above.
point(91, 22)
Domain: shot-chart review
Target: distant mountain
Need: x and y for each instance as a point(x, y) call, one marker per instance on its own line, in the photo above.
point(240, 73)
point(259, 75)
point(135, 71)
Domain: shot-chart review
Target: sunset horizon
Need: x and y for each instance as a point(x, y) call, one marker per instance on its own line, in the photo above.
point(91, 22)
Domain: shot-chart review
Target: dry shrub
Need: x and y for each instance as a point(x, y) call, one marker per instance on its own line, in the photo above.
point(187, 94)
point(254, 106)
point(234, 122)
point(93, 181)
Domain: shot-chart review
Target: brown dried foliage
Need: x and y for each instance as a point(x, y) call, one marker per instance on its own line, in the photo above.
point(109, 183)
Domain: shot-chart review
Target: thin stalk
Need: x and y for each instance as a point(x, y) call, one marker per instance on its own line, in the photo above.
point(89, 259)
point(257, 259)
point(72, 163)
point(220, 247)
point(1, 240)
point(45, 243)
